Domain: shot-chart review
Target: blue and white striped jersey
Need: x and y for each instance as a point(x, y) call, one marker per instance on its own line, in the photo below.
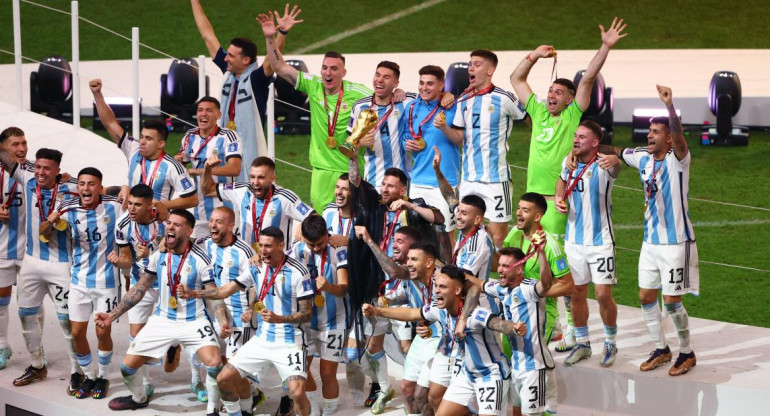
point(667, 217)
point(12, 236)
point(230, 264)
point(524, 304)
point(283, 207)
point(335, 222)
point(292, 283)
point(388, 149)
point(418, 296)
point(334, 313)
point(589, 219)
point(475, 254)
point(487, 120)
point(195, 273)
point(58, 248)
point(131, 233)
point(196, 149)
point(93, 237)
point(167, 177)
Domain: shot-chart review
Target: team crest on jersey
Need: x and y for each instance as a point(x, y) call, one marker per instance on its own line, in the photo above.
point(344, 106)
point(302, 208)
point(589, 174)
point(491, 109)
point(229, 263)
point(396, 113)
point(187, 269)
point(157, 175)
point(106, 220)
point(271, 213)
point(186, 184)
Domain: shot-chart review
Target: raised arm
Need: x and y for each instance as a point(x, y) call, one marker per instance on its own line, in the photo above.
point(674, 123)
point(443, 184)
point(208, 186)
point(520, 74)
point(609, 38)
point(285, 23)
point(205, 28)
point(390, 267)
point(105, 112)
point(399, 314)
point(279, 66)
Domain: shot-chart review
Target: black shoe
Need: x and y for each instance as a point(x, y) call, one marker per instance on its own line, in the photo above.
point(284, 409)
point(256, 400)
point(100, 388)
point(76, 379)
point(31, 374)
point(126, 403)
point(373, 391)
point(85, 388)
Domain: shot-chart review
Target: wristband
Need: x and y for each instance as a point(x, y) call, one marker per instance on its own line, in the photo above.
point(283, 32)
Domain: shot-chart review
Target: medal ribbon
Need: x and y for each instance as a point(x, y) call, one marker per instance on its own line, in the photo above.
point(553, 69)
point(387, 236)
point(138, 233)
point(267, 284)
point(257, 226)
point(319, 271)
point(387, 113)
point(41, 205)
point(425, 120)
point(462, 243)
point(332, 122)
point(452, 328)
point(154, 169)
point(231, 107)
point(572, 183)
point(468, 93)
point(651, 181)
point(2, 183)
point(205, 142)
point(381, 290)
point(339, 223)
point(173, 280)
point(531, 251)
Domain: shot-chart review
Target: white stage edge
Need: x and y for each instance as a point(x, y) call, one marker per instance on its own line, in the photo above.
point(631, 73)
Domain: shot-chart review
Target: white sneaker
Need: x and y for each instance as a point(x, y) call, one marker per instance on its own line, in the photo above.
point(566, 343)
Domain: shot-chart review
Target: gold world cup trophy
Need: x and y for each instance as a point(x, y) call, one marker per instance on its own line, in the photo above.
point(366, 122)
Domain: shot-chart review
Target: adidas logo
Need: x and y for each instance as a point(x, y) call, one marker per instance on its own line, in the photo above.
point(607, 277)
point(297, 368)
point(489, 407)
point(336, 354)
point(500, 215)
point(533, 406)
point(678, 287)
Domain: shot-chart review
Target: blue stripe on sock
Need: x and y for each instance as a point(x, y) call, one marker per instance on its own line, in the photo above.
point(213, 371)
point(105, 359)
point(127, 371)
point(5, 300)
point(378, 355)
point(29, 311)
point(84, 360)
point(650, 305)
point(673, 307)
point(63, 317)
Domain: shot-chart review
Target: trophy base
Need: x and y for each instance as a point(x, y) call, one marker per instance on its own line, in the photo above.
point(348, 150)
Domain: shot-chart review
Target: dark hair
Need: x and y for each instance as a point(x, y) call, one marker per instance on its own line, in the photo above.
point(398, 173)
point(514, 252)
point(314, 227)
point(410, 232)
point(10, 132)
point(142, 191)
point(344, 177)
point(273, 232)
point(248, 48)
point(476, 202)
point(454, 273)
point(334, 54)
point(425, 247)
point(91, 171)
point(392, 66)
point(158, 125)
point(537, 199)
point(486, 54)
point(434, 70)
point(661, 120)
point(187, 215)
point(567, 83)
point(263, 161)
point(207, 99)
point(595, 128)
point(50, 154)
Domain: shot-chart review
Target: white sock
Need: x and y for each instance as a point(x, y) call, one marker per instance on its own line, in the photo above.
point(4, 302)
point(651, 314)
point(314, 396)
point(105, 358)
point(681, 323)
point(212, 389)
point(245, 405)
point(133, 383)
point(64, 323)
point(330, 406)
point(379, 364)
point(195, 374)
point(32, 332)
point(232, 408)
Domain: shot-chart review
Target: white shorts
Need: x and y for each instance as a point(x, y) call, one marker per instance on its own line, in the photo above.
point(673, 267)
point(489, 396)
point(9, 269)
point(83, 303)
point(230, 345)
point(404, 331)
point(433, 197)
point(328, 344)
point(38, 278)
point(417, 360)
point(142, 311)
point(443, 368)
point(591, 263)
point(530, 389)
point(496, 195)
point(160, 333)
point(256, 357)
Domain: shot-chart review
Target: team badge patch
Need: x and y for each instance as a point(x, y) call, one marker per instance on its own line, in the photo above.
point(561, 265)
point(186, 184)
point(229, 263)
point(307, 285)
point(229, 186)
point(344, 106)
point(106, 220)
point(481, 315)
point(396, 113)
point(342, 255)
point(232, 147)
point(303, 209)
point(491, 109)
point(120, 235)
point(187, 268)
point(271, 213)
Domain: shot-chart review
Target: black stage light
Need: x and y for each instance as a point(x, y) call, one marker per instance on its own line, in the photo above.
point(51, 89)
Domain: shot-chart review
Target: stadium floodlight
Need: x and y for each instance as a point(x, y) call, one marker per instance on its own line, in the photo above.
point(640, 122)
point(724, 102)
point(122, 107)
point(456, 79)
point(292, 112)
point(179, 92)
point(601, 107)
point(50, 89)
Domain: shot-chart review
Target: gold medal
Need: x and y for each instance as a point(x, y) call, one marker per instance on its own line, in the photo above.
point(420, 142)
point(331, 142)
point(255, 246)
point(4, 208)
point(564, 201)
point(383, 301)
point(319, 300)
point(172, 303)
point(215, 152)
point(259, 306)
point(536, 240)
point(60, 224)
point(645, 205)
point(44, 239)
point(441, 118)
point(430, 332)
point(231, 125)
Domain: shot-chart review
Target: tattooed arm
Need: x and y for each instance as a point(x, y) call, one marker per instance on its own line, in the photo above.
point(284, 70)
point(473, 290)
point(303, 315)
point(209, 291)
point(674, 123)
point(390, 267)
point(134, 296)
point(507, 327)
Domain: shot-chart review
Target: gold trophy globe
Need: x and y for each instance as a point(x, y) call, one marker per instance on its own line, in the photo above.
point(366, 122)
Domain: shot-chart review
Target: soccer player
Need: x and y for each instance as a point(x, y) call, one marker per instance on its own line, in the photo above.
point(383, 147)
point(481, 125)
point(421, 136)
point(12, 238)
point(176, 319)
point(331, 102)
point(245, 89)
point(137, 237)
point(45, 269)
point(669, 257)
point(585, 194)
point(148, 163)
point(260, 202)
point(338, 214)
point(200, 143)
point(328, 326)
point(284, 296)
